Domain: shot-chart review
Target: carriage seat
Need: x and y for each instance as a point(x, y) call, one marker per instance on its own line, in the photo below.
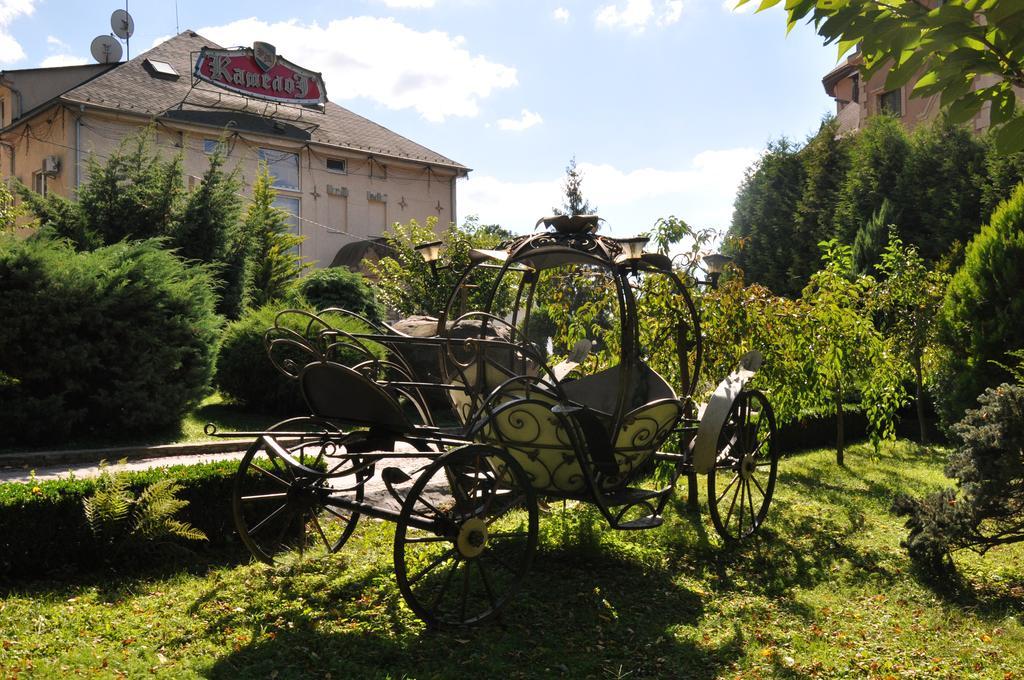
point(600, 391)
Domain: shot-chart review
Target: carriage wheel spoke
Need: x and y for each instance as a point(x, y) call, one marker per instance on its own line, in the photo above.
point(426, 539)
point(433, 564)
point(732, 504)
point(487, 584)
point(727, 487)
point(265, 496)
point(509, 534)
point(505, 508)
point(337, 514)
point(320, 530)
point(270, 474)
point(287, 472)
point(758, 485)
point(750, 502)
point(465, 592)
point(740, 513)
point(444, 586)
point(284, 528)
point(266, 519)
point(424, 501)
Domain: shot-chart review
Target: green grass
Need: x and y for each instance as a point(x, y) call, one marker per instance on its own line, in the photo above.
point(826, 591)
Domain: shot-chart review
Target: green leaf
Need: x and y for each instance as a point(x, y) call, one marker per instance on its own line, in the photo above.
point(963, 109)
point(927, 84)
point(1010, 138)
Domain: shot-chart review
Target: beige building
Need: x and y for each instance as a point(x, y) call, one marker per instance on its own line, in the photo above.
point(342, 177)
point(857, 99)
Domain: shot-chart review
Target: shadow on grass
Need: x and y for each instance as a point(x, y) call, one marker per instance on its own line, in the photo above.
point(576, 616)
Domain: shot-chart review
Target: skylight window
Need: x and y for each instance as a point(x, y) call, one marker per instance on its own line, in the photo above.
point(160, 69)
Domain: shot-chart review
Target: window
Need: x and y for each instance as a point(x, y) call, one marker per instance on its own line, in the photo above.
point(855, 96)
point(337, 165)
point(284, 168)
point(39, 184)
point(891, 102)
point(160, 69)
point(212, 145)
point(290, 205)
point(3, 112)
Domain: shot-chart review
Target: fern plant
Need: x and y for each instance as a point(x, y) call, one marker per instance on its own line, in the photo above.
point(117, 518)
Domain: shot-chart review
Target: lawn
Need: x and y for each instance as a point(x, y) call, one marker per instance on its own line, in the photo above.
point(825, 591)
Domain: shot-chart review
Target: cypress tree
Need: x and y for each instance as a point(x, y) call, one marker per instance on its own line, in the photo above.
point(877, 158)
point(940, 189)
point(762, 221)
point(826, 159)
point(273, 262)
point(209, 231)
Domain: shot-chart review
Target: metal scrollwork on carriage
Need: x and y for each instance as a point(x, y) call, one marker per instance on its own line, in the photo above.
point(463, 487)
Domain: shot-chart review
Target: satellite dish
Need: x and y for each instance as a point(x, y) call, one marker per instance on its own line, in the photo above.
point(105, 49)
point(122, 24)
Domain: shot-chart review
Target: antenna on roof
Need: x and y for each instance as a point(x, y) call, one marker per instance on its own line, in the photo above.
point(123, 26)
point(105, 49)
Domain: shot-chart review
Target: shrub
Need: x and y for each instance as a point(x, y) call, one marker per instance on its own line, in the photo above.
point(982, 311)
point(409, 286)
point(121, 339)
point(339, 287)
point(43, 528)
point(986, 509)
point(246, 374)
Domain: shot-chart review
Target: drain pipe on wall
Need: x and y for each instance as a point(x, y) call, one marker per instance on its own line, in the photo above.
point(78, 148)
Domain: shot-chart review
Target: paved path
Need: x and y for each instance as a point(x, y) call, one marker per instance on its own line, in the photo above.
point(374, 489)
point(23, 474)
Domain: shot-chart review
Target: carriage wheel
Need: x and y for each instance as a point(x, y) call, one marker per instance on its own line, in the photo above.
point(482, 514)
point(740, 485)
point(280, 507)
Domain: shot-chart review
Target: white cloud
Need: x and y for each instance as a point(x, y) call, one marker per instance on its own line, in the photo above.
point(57, 43)
point(673, 10)
point(382, 60)
point(560, 14)
point(701, 193)
point(62, 60)
point(730, 6)
point(10, 49)
point(408, 4)
point(527, 119)
point(635, 15)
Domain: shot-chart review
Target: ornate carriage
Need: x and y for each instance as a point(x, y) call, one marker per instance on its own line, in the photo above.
point(463, 487)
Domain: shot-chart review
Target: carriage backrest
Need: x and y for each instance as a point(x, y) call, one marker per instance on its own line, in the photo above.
point(339, 393)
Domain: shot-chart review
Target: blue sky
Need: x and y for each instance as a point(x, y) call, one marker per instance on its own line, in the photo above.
point(662, 102)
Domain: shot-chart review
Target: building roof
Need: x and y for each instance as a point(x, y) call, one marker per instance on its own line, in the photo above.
point(132, 89)
point(847, 68)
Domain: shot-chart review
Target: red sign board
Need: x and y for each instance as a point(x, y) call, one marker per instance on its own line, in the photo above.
point(261, 74)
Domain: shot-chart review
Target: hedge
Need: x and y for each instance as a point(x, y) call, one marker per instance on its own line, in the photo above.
point(43, 529)
point(120, 339)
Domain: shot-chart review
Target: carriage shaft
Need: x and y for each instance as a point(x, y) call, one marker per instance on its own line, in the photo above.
point(380, 512)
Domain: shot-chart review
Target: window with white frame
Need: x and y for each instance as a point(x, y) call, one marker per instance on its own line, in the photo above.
point(39, 183)
point(337, 165)
point(283, 166)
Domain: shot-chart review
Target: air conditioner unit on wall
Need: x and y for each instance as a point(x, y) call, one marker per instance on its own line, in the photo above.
point(51, 165)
